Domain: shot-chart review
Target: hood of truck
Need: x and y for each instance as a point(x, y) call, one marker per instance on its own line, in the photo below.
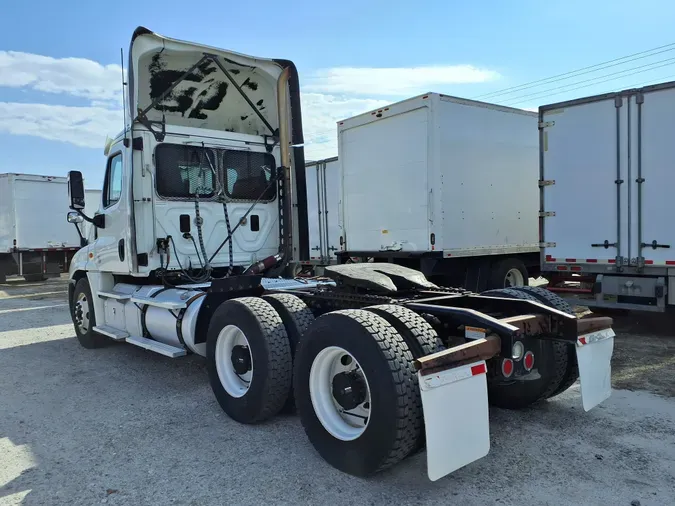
point(206, 97)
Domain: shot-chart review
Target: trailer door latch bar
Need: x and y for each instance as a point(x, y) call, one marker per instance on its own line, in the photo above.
point(654, 245)
point(605, 245)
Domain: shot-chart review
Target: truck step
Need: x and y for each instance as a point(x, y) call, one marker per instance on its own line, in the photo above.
point(111, 332)
point(168, 304)
point(114, 295)
point(157, 347)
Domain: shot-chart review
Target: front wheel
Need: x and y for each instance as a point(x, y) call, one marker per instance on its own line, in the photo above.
point(84, 319)
point(356, 392)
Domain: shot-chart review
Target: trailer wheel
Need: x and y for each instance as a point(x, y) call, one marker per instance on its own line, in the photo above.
point(297, 318)
point(555, 301)
point(551, 355)
point(248, 359)
point(356, 393)
point(508, 273)
point(84, 319)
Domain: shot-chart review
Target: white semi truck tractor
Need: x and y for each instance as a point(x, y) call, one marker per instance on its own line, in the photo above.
point(201, 229)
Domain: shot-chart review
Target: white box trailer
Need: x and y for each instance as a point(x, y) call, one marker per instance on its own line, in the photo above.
point(323, 195)
point(35, 238)
point(606, 179)
point(444, 185)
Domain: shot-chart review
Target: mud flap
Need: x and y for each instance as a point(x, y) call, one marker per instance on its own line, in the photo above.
point(594, 356)
point(455, 404)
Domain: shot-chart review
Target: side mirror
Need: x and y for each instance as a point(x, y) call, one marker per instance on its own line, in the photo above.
point(74, 217)
point(76, 190)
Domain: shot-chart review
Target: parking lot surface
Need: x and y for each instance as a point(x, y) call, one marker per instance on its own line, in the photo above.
point(121, 425)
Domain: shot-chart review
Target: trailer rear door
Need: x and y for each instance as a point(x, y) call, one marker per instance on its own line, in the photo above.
point(653, 176)
point(385, 179)
point(41, 209)
point(584, 171)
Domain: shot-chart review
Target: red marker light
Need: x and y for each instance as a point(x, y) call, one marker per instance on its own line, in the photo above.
point(528, 361)
point(507, 367)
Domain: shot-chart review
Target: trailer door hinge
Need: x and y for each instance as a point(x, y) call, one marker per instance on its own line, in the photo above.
point(547, 245)
point(546, 214)
point(546, 182)
point(546, 124)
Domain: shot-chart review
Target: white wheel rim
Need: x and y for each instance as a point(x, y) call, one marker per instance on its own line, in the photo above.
point(514, 278)
point(234, 384)
point(342, 424)
point(82, 313)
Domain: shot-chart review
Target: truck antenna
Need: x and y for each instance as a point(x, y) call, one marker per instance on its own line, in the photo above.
point(124, 104)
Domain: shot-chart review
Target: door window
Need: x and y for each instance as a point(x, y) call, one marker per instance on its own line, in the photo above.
point(113, 181)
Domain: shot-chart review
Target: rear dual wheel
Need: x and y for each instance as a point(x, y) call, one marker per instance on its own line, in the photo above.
point(555, 362)
point(356, 391)
point(249, 359)
point(250, 347)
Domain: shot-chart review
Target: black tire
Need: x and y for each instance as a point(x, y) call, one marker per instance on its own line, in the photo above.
point(551, 362)
point(395, 421)
point(555, 301)
point(297, 318)
point(547, 297)
point(271, 355)
point(420, 337)
point(87, 338)
point(501, 269)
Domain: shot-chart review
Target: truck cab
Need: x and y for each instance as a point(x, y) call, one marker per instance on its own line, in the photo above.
point(206, 149)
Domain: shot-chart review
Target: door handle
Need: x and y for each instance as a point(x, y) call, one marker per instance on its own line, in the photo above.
point(120, 249)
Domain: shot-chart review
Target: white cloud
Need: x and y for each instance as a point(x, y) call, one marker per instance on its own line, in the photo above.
point(83, 126)
point(78, 77)
point(328, 96)
point(320, 114)
point(393, 81)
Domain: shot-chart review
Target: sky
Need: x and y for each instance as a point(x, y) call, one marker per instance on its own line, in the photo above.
point(60, 78)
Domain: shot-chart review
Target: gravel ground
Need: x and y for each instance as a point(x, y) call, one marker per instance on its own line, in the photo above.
point(121, 425)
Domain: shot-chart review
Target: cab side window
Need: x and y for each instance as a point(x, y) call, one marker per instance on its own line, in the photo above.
point(112, 189)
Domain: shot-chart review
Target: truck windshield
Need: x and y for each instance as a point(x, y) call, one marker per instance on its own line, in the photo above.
point(190, 172)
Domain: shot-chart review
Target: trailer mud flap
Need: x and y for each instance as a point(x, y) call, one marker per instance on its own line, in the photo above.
point(455, 403)
point(594, 356)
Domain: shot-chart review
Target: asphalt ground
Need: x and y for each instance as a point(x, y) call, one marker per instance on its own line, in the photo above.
point(124, 426)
